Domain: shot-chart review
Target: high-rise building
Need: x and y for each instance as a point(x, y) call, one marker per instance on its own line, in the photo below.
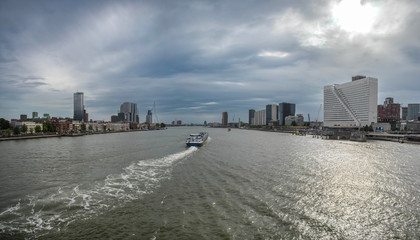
point(251, 120)
point(389, 111)
point(79, 108)
point(260, 117)
point(286, 109)
point(351, 104)
point(130, 111)
point(34, 115)
point(404, 113)
point(121, 117)
point(413, 111)
point(23, 117)
point(149, 117)
point(272, 112)
point(114, 118)
point(224, 119)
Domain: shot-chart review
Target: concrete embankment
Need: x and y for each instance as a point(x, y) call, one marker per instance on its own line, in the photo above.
point(28, 137)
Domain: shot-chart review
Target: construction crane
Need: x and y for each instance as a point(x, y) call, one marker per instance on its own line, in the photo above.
point(309, 120)
point(319, 110)
point(154, 112)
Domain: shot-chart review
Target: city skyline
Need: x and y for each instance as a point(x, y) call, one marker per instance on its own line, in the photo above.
point(198, 59)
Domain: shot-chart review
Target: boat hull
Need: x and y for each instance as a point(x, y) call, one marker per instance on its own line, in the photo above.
point(194, 144)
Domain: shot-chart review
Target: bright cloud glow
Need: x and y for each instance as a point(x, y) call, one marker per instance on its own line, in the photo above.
point(354, 17)
point(273, 54)
point(210, 103)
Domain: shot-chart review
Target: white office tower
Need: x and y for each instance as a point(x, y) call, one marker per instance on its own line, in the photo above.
point(352, 104)
point(260, 117)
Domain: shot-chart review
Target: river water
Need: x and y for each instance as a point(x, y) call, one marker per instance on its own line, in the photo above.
point(240, 185)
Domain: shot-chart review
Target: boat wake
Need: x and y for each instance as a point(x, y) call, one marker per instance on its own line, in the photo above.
point(46, 211)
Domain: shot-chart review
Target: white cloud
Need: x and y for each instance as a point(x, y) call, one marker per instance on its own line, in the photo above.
point(277, 54)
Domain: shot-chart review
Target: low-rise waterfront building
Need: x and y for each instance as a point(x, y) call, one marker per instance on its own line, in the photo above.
point(389, 111)
point(29, 124)
point(298, 119)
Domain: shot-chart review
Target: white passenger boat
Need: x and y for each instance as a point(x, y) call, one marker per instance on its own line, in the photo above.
point(196, 139)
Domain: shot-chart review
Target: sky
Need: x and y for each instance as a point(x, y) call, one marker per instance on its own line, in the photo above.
point(194, 60)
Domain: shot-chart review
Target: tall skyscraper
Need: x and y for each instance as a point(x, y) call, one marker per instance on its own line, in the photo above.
point(34, 115)
point(251, 120)
point(286, 109)
point(224, 119)
point(351, 104)
point(272, 112)
point(413, 112)
point(79, 107)
point(149, 117)
point(130, 111)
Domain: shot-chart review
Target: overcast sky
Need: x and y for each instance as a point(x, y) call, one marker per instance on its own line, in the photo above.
point(196, 59)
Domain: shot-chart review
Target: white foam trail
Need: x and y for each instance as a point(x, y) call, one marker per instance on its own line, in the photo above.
point(139, 178)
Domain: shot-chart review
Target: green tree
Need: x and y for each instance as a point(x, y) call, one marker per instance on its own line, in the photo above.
point(31, 130)
point(38, 129)
point(83, 127)
point(8, 132)
point(90, 127)
point(24, 128)
point(50, 127)
point(4, 124)
point(294, 123)
point(162, 125)
point(16, 130)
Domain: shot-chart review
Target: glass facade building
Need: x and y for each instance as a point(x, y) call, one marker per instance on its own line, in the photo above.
point(130, 111)
point(413, 111)
point(79, 108)
point(286, 109)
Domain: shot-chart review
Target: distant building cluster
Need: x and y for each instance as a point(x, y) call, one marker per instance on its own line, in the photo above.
point(126, 119)
point(275, 115)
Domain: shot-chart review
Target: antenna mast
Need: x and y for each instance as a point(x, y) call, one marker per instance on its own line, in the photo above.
point(154, 112)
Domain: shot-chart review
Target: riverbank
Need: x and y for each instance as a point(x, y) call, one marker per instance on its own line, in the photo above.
point(398, 138)
point(66, 135)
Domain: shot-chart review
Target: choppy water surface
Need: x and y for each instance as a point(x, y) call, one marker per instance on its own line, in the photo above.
point(239, 185)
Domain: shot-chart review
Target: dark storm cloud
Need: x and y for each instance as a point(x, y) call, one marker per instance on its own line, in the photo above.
point(195, 59)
